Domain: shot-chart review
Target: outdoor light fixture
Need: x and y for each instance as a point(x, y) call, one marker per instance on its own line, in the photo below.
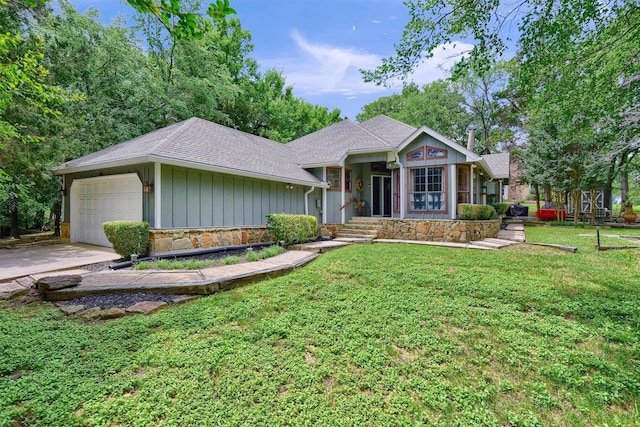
point(147, 187)
point(289, 186)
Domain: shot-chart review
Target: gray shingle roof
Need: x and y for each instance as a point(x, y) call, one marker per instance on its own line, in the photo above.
point(202, 144)
point(330, 145)
point(388, 129)
point(498, 163)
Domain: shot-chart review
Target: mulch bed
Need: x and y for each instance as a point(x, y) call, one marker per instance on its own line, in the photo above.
point(122, 300)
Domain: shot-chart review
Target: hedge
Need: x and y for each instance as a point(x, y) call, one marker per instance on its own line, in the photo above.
point(291, 229)
point(468, 211)
point(128, 237)
point(501, 208)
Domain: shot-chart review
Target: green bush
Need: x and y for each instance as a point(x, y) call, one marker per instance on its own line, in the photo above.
point(468, 211)
point(128, 237)
point(292, 229)
point(501, 208)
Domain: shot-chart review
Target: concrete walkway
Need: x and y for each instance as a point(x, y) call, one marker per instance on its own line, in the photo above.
point(183, 282)
point(21, 261)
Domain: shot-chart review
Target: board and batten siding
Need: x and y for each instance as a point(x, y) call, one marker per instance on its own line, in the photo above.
point(195, 199)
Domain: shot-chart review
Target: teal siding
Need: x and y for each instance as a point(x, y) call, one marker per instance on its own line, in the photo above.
point(192, 198)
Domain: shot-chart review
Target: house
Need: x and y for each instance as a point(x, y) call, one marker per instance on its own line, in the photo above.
point(199, 183)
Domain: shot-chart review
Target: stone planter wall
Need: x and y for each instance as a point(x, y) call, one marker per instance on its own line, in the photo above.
point(186, 239)
point(438, 230)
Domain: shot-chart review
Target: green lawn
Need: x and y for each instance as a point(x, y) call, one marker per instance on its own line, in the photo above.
point(377, 335)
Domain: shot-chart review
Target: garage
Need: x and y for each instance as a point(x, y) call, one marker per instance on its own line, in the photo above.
point(101, 199)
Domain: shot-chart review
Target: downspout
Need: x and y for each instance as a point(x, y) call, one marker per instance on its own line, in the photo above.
point(324, 197)
point(306, 199)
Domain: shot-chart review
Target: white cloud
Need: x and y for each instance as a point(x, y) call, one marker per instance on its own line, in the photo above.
point(320, 69)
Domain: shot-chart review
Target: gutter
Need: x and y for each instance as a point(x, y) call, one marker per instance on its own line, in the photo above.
point(62, 170)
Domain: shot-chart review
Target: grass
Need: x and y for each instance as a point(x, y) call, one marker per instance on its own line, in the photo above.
point(174, 264)
point(365, 335)
point(196, 264)
point(231, 259)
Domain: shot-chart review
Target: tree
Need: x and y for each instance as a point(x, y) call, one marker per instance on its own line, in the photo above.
point(580, 57)
point(437, 105)
point(180, 23)
point(27, 101)
point(494, 107)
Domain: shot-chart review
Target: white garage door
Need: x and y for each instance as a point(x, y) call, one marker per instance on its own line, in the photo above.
point(101, 199)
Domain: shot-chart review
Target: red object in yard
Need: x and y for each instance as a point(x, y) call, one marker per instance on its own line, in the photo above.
point(550, 215)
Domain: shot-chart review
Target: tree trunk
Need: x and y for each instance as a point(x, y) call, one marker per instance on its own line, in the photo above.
point(536, 192)
point(548, 198)
point(57, 213)
point(624, 186)
point(576, 206)
point(13, 214)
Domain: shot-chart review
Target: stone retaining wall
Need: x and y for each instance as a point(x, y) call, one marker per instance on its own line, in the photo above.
point(186, 239)
point(437, 230)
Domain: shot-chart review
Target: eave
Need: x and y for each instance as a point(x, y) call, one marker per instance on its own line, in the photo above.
point(191, 165)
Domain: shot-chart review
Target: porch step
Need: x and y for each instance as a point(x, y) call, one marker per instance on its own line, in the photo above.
point(343, 235)
point(360, 228)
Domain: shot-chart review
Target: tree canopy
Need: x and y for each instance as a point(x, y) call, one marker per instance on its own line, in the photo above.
point(574, 71)
point(115, 90)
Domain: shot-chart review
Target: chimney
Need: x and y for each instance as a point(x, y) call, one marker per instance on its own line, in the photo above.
point(472, 136)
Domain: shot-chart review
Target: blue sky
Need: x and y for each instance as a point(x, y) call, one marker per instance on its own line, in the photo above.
point(320, 45)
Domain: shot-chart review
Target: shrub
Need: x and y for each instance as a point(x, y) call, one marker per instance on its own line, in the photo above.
point(128, 237)
point(292, 229)
point(468, 211)
point(501, 208)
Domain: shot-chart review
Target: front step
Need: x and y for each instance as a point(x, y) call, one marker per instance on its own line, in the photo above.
point(364, 228)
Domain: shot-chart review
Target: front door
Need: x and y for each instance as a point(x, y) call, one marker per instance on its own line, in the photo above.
point(380, 195)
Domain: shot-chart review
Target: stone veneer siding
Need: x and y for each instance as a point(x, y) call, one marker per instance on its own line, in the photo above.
point(186, 239)
point(437, 230)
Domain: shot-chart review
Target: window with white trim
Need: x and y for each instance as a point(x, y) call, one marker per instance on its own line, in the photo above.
point(427, 191)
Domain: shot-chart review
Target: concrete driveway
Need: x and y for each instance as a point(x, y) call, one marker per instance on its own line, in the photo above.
point(28, 260)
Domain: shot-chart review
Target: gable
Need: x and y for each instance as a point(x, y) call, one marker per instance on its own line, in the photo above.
point(426, 150)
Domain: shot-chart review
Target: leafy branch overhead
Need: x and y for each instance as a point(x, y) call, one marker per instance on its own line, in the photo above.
point(181, 24)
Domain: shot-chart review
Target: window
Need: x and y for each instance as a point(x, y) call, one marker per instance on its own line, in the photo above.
point(463, 184)
point(427, 192)
point(417, 154)
point(347, 181)
point(436, 153)
point(333, 178)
